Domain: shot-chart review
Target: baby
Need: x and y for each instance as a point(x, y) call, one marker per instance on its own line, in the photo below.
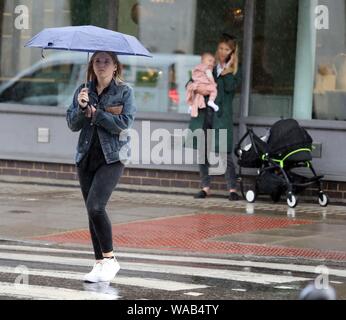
point(202, 76)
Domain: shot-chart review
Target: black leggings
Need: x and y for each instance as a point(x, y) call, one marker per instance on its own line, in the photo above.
point(97, 187)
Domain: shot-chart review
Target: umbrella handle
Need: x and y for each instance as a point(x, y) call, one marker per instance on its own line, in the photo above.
point(86, 75)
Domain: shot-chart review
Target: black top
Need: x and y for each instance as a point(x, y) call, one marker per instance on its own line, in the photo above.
point(95, 157)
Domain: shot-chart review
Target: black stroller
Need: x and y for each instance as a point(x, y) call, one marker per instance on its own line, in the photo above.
point(287, 146)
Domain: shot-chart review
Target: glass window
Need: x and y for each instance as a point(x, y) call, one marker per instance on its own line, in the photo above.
point(274, 55)
point(44, 85)
point(329, 101)
point(175, 31)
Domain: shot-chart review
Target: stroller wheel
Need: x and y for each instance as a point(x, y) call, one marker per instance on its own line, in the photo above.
point(250, 196)
point(323, 199)
point(292, 200)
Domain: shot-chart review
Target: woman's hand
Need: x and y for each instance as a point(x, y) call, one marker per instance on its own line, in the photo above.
point(92, 111)
point(83, 98)
point(89, 113)
point(230, 65)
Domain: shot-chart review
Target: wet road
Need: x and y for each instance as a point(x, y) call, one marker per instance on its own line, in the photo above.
point(36, 272)
point(170, 247)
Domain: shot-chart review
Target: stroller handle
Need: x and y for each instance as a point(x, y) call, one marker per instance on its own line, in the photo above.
point(238, 146)
point(259, 146)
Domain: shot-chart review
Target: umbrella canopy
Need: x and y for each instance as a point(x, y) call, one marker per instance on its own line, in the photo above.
point(88, 39)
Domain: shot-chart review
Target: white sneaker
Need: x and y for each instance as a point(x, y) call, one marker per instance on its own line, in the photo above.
point(110, 268)
point(93, 275)
point(213, 105)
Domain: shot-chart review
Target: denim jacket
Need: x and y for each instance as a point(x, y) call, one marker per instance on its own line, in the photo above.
point(110, 128)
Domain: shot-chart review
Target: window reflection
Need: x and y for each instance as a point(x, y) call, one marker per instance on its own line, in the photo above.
point(330, 77)
point(274, 52)
point(175, 31)
point(46, 85)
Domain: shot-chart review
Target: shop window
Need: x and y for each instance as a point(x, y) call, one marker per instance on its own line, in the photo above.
point(44, 85)
point(274, 53)
point(329, 98)
point(175, 31)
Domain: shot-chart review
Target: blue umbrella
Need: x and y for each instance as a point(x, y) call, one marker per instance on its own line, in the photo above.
point(88, 39)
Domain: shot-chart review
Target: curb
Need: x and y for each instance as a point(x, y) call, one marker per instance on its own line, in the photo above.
point(140, 189)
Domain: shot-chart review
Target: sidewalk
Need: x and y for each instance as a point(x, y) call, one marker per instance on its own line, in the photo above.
point(153, 221)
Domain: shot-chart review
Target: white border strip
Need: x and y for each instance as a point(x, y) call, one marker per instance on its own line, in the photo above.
point(200, 260)
point(157, 284)
point(50, 293)
point(164, 268)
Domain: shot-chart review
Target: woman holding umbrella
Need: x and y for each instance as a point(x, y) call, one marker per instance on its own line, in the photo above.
point(103, 112)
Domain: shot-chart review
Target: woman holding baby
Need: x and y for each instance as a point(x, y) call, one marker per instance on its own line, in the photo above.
point(217, 115)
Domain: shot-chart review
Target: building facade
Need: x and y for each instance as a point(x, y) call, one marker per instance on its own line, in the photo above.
point(293, 62)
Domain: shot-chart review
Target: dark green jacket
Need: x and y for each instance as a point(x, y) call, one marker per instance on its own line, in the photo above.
point(223, 119)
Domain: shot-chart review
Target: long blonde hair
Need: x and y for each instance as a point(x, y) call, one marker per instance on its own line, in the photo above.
point(231, 42)
point(117, 76)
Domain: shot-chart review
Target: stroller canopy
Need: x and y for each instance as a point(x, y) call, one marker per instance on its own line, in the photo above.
point(286, 136)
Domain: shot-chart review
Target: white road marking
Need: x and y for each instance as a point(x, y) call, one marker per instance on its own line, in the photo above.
point(193, 294)
point(284, 288)
point(200, 260)
point(50, 293)
point(336, 282)
point(41, 249)
point(234, 275)
point(240, 290)
point(157, 284)
point(164, 268)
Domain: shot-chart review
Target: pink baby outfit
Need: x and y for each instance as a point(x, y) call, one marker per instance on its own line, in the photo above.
point(200, 78)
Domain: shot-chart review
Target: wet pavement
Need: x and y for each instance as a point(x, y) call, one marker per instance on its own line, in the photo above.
point(168, 246)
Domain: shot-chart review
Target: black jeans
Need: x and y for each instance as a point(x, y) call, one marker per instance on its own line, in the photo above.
point(97, 187)
point(230, 174)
